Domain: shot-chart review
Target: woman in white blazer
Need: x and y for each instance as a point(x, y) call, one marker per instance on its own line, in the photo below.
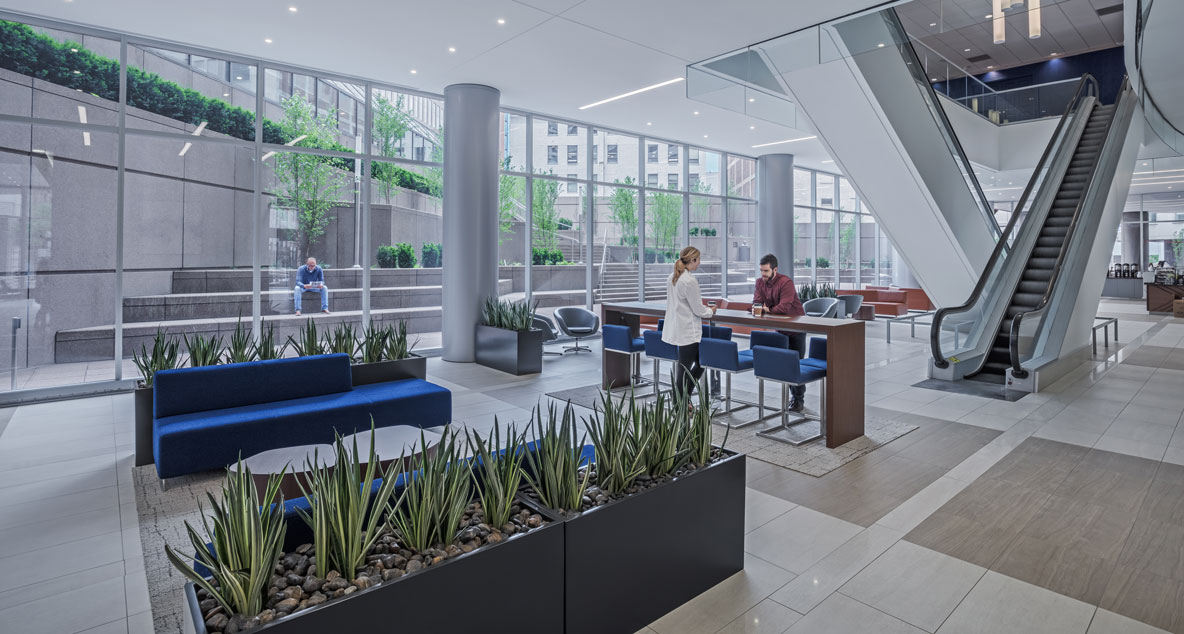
point(685, 313)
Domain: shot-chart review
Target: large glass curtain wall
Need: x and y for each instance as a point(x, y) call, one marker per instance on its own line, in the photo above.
point(836, 239)
point(590, 215)
point(144, 187)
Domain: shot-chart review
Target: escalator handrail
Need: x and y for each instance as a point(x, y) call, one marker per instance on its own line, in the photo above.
point(1014, 339)
point(907, 45)
point(1087, 81)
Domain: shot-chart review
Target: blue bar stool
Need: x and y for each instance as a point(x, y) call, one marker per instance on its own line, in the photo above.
point(726, 356)
point(817, 354)
point(785, 367)
point(658, 351)
point(620, 340)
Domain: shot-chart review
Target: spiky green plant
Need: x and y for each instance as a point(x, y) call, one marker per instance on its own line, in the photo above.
point(697, 441)
point(508, 315)
point(373, 344)
point(247, 533)
point(266, 349)
point(341, 341)
point(665, 423)
point(343, 516)
point(429, 510)
point(204, 350)
point(497, 471)
point(621, 442)
point(165, 355)
point(556, 468)
point(397, 345)
point(307, 343)
point(241, 349)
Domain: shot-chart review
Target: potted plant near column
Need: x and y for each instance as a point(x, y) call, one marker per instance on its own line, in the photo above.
point(507, 339)
point(384, 354)
point(165, 355)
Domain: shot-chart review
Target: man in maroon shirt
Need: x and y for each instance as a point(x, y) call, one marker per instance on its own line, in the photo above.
point(780, 297)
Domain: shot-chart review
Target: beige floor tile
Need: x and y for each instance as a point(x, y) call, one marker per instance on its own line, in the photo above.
point(840, 614)
point(799, 539)
point(1106, 622)
point(1001, 605)
point(69, 612)
point(760, 508)
point(914, 510)
point(715, 608)
point(822, 579)
point(768, 617)
point(914, 584)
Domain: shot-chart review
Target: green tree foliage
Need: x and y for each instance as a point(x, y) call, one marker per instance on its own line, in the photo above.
point(511, 200)
point(663, 218)
point(1178, 247)
point(391, 123)
point(305, 182)
point(623, 204)
point(546, 216)
point(433, 255)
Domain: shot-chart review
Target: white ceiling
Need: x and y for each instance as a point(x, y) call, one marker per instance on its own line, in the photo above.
point(550, 56)
point(1068, 27)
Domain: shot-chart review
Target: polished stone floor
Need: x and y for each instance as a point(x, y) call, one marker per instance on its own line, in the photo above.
point(1060, 512)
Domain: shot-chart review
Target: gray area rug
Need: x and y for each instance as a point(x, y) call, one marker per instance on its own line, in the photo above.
point(162, 521)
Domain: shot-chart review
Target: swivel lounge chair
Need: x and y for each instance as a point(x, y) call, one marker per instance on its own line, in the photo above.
point(821, 307)
point(578, 323)
point(787, 369)
point(851, 304)
point(544, 323)
point(725, 356)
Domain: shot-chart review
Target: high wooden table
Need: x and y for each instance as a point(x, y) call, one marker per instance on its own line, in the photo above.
point(1160, 297)
point(844, 357)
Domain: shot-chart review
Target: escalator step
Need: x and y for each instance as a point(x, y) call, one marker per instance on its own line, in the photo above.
point(1027, 299)
point(1050, 241)
point(1012, 311)
point(1050, 231)
point(1046, 252)
point(1034, 275)
point(1001, 351)
point(1060, 221)
point(1041, 263)
point(1026, 286)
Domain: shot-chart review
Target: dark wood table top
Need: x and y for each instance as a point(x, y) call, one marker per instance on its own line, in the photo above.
point(744, 318)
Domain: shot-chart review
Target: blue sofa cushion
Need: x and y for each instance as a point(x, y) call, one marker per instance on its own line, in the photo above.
point(412, 402)
point(188, 390)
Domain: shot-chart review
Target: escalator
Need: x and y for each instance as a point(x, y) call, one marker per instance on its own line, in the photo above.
point(1037, 273)
point(1030, 312)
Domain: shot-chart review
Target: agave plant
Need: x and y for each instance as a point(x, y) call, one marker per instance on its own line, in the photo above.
point(241, 349)
point(698, 437)
point(246, 532)
point(556, 468)
point(308, 343)
point(621, 443)
point(164, 356)
point(497, 471)
point(266, 348)
point(344, 517)
point(665, 423)
point(341, 340)
point(396, 346)
point(508, 315)
point(429, 510)
point(373, 345)
point(204, 350)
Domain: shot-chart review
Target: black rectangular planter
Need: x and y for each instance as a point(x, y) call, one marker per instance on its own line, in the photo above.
point(513, 351)
point(634, 560)
point(515, 586)
point(413, 367)
point(143, 397)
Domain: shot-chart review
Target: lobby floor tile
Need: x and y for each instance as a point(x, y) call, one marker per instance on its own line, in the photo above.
point(1001, 605)
point(840, 614)
point(799, 539)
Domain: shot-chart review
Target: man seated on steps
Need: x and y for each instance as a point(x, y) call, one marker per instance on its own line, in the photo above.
point(310, 277)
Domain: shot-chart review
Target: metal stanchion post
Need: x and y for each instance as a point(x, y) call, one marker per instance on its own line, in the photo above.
point(16, 324)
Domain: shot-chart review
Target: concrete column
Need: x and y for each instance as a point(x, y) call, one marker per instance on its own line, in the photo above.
point(470, 212)
point(1134, 238)
point(774, 209)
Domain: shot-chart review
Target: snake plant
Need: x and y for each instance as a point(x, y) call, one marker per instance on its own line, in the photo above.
point(497, 471)
point(165, 355)
point(556, 469)
point(307, 343)
point(203, 350)
point(621, 442)
point(241, 349)
point(429, 510)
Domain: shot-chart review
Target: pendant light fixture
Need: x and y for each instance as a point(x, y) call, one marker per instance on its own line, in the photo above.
point(998, 22)
point(1033, 19)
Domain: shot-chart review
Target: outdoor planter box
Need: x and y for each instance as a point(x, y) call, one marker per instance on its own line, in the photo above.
point(636, 559)
point(514, 351)
point(517, 583)
point(143, 397)
point(413, 367)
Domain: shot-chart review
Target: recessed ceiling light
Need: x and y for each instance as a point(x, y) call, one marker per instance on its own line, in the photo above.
point(965, 50)
point(804, 138)
point(1052, 54)
point(828, 161)
point(451, 49)
point(880, 45)
point(293, 9)
point(751, 99)
point(696, 112)
point(704, 136)
point(225, 94)
point(933, 78)
point(267, 40)
point(988, 16)
point(1145, 163)
point(649, 123)
point(933, 24)
point(240, 78)
point(751, 127)
point(501, 20)
point(990, 67)
point(633, 92)
point(413, 71)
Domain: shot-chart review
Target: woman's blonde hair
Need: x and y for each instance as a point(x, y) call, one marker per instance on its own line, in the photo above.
point(685, 257)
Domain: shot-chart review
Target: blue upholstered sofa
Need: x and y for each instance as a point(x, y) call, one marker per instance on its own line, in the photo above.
point(204, 418)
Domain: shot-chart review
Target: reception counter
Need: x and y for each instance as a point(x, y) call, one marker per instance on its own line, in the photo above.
point(844, 349)
point(1161, 296)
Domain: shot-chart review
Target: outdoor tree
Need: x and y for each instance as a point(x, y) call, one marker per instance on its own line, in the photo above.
point(546, 216)
point(847, 244)
point(623, 204)
point(664, 213)
point(1178, 247)
point(391, 123)
point(307, 183)
point(511, 200)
